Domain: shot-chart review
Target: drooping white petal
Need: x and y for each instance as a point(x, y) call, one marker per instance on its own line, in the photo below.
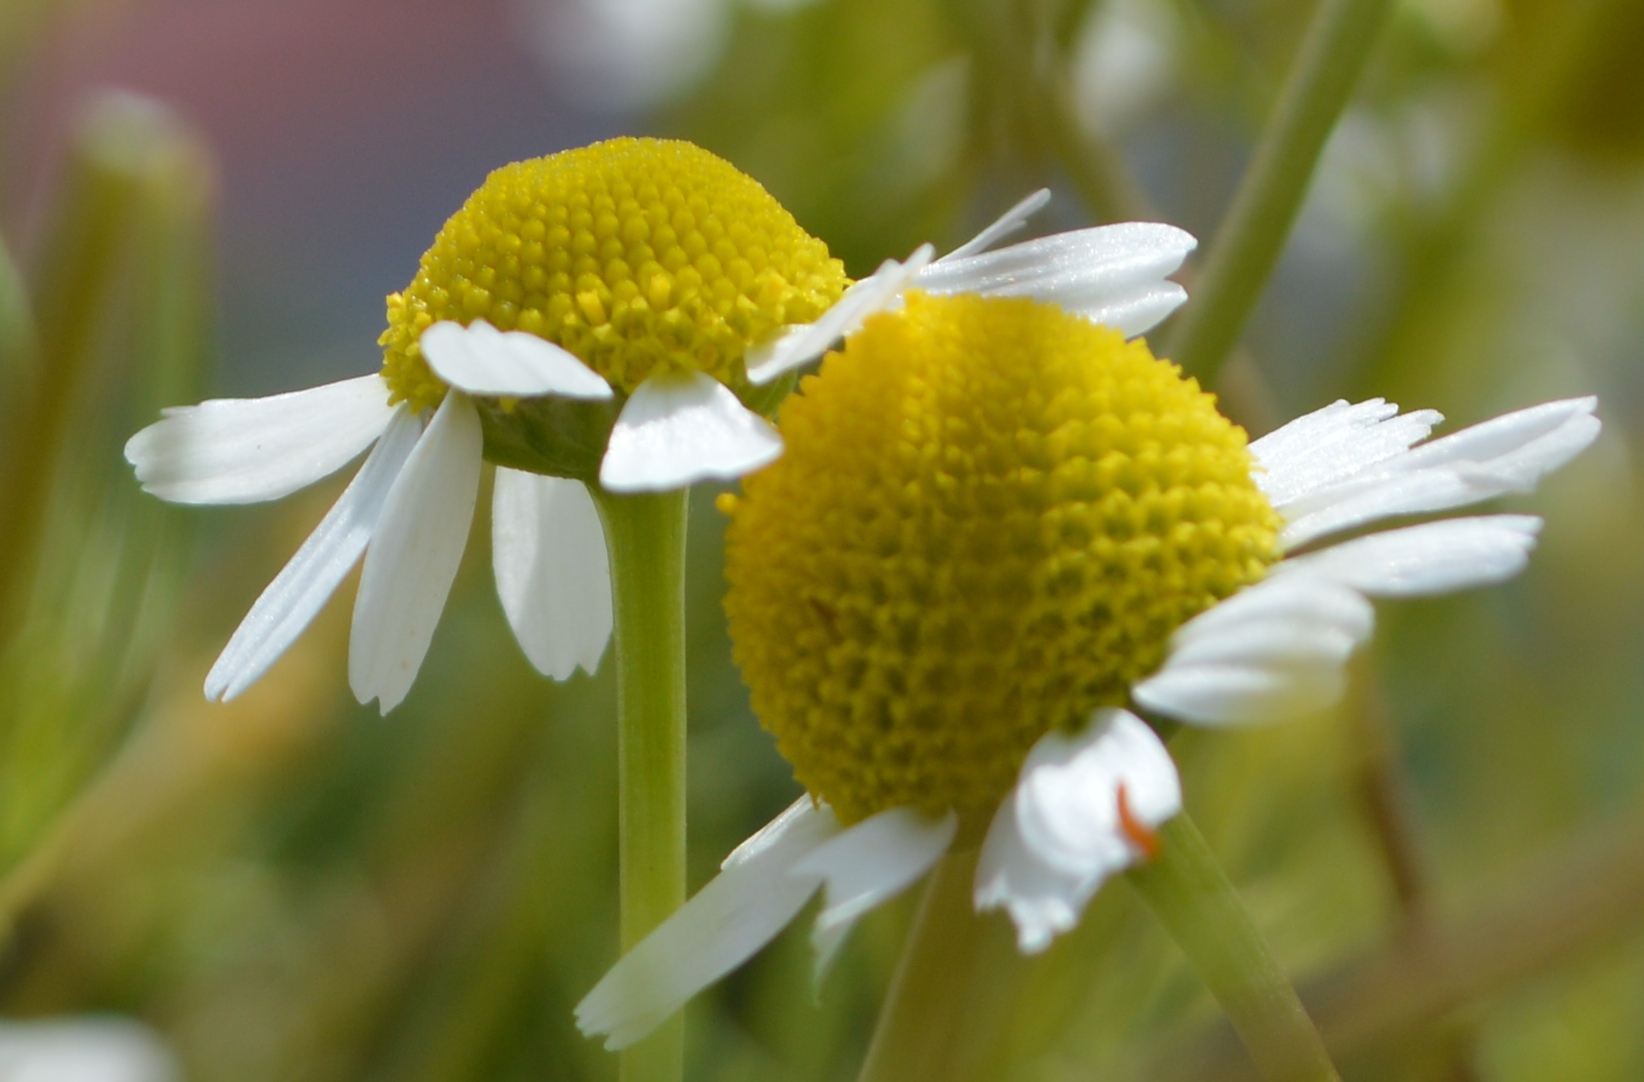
point(414, 554)
point(1111, 274)
point(84, 1049)
point(1273, 652)
point(1042, 900)
point(1508, 454)
point(1009, 222)
point(875, 860)
point(805, 342)
point(682, 427)
point(308, 580)
point(553, 574)
point(245, 450)
point(1433, 558)
point(741, 910)
point(1084, 807)
point(1332, 444)
point(482, 360)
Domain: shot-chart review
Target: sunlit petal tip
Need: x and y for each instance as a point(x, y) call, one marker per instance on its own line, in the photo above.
point(552, 571)
point(736, 914)
point(246, 450)
point(684, 427)
point(482, 360)
point(1007, 223)
point(414, 553)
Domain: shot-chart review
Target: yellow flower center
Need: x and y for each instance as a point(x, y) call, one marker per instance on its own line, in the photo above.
point(637, 255)
point(989, 519)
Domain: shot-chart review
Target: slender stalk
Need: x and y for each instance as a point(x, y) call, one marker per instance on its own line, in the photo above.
point(646, 538)
point(1247, 246)
point(958, 976)
point(1193, 898)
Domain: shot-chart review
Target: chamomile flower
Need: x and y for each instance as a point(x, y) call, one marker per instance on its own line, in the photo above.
point(997, 529)
point(596, 317)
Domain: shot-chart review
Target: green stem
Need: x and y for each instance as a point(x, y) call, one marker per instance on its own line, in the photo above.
point(1247, 246)
point(646, 537)
point(957, 978)
point(1193, 898)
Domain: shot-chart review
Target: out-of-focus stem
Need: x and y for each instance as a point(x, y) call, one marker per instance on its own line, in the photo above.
point(1246, 248)
point(646, 537)
point(1191, 895)
point(957, 978)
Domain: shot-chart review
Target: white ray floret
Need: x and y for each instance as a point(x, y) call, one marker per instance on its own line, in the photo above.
point(482, 360)
point(553, 573)
point(308, 580)
point(88, 1048)
point(752, 899)
point(1072, 821)
point(246, 450)
point(1433, 558)
point(682, 427)
point(413, 559)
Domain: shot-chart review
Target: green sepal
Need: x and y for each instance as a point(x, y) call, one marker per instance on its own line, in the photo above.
point(559, 437)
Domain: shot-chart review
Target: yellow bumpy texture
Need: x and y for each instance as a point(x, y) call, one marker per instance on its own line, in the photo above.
point(637, 255)
point(989, 519)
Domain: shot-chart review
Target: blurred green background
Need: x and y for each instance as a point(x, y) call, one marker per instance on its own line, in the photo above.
point(212, 197)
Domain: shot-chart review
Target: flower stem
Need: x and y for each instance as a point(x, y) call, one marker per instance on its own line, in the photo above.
point(958, 975)
point(1247, 246)
point(1193, 898)
point(646, 537)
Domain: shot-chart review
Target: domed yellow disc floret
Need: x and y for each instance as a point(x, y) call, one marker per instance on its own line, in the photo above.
point(637, 255)
point(989, 518)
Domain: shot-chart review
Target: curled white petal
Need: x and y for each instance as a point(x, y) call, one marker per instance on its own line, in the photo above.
point(741, 910)
point(1008, 222)
point(308, 580)
point(682, 427)
point(1332, 444)
point(1111, 274)
point(84, 1049)
point(245, 450)
point(805, 342)
point(553, 573)
point(1275, 651)
point(1433, 558)
point(482, 360)
point(414, 554)
point(1083, 808)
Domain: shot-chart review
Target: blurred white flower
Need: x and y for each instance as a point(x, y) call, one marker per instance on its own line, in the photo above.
point(85, 1049)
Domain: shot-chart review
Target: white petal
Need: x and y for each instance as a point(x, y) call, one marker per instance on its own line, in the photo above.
point(741, 910)
point(1508, 454)
point(805, 342)
point(1067, 798)
point(414, 555)
point(84, 1049)
point(875, 860)
point(244, 450)
point(1082, 810)
point(482, 360)
point(308, 580)
point(1433, 558)
point(1273, 652)
point(553, 575)
point(1111, 274)
point(1332, 444)
point(1042, 900)
point(1009, 222)
point(682, 427)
